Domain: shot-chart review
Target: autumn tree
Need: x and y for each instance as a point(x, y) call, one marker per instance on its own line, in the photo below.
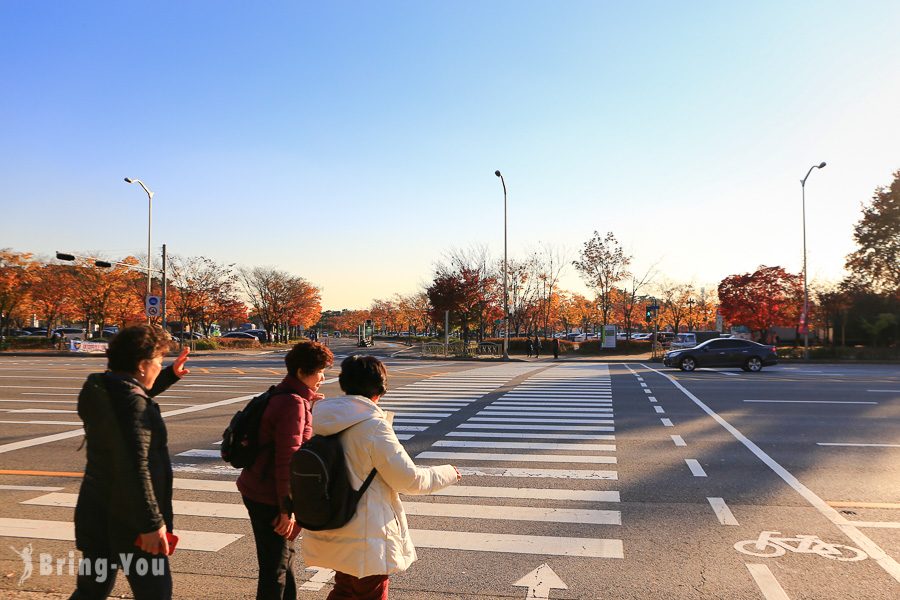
point(15, 281)
point(547, 265)
point(877, 260)
point(204, 292)
point(50, 296)
point(602, 264)
point(766, 298)
point(629, 298)
point(675, 301)
point(281, 300)
point(467, 287)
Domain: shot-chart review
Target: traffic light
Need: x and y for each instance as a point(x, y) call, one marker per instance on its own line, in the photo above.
point(649, 315)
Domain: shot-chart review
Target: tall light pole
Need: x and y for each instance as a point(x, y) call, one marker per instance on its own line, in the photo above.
point(805, 288)
point(505, 281)
point(149, 224)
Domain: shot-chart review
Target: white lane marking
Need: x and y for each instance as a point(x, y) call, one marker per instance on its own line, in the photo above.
point(434, 412)
point(43, 422)
point(499, 456)
point(877, 524)
point(548, 421)
point(41, 411)
point(516, 426)
point(659, 410)
point(524, 445)
point(858, 445)
point(318, 580)
point(30, 488)
point(514, 513)
point(648, 391)
point(643, 385)
point(884, 391)
point(199, 453)
point(409, 428)
point(808, 402)
point(723, 513)
point(859, 538)
point(479, 491)
point(496, 412)
point(424, 414)
point(404, 436)
point(531, 435)
point(679, 441)
point(204, 485)
point(204, 541)
point(558, 409)
point(37, 387)
point(404, 419)
point(548, 473)
point(667, 422)
point(30, 401)
point(518, 544)
point(695, 467)
point(767, 583)
point(652, 399)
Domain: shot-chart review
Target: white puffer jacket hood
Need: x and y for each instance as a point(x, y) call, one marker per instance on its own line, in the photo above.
point(376, 541)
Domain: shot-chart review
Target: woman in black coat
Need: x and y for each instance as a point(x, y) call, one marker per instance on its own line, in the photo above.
point(124, 509)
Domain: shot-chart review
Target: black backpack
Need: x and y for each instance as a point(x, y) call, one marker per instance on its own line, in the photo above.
point(240, 440)
point(321, 493)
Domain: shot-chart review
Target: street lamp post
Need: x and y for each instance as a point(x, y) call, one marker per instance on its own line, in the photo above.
point(149, 225)
point(505, 281)
point(805, 288)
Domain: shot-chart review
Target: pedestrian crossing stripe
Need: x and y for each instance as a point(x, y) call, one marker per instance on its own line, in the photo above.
point(531, 435)
point(34, 529)
point(518, 544)
point(549, 421)
point(517, 426)
point(524, 445)
point(500, 457)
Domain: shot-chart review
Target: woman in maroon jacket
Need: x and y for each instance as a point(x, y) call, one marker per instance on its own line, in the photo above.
point(266, 485)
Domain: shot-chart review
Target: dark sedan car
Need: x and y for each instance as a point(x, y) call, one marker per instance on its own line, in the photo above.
point(243, 335)
point(730, 352)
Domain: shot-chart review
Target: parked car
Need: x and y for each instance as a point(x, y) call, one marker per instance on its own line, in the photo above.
point(745, 354)
point(190, 335)
point(70, 333)
point(576, 337)
point(37, 332)
point(641, 336)
point(259, 334)
point(243, 335)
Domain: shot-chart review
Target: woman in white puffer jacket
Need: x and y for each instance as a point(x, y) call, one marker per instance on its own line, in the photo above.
point(376, 541)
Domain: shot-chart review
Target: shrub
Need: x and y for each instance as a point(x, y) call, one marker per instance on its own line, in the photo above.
point(237, 343)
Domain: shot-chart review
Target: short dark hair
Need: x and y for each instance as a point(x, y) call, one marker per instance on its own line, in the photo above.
point(308, 357)
point(363, 376)
point(133, 344)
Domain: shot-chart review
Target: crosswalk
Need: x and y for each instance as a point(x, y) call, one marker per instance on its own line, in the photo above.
point(535, 446)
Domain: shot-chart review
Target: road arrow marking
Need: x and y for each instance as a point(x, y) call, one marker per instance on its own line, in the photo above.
point(318, 580)
point(540, 581)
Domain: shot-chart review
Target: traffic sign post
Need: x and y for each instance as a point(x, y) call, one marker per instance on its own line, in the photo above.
point(152, 306)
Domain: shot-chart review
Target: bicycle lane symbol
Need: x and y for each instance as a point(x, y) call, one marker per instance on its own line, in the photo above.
point(767, 545)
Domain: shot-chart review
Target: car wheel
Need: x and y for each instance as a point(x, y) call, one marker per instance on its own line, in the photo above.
point(754, 364)
point(688, 364)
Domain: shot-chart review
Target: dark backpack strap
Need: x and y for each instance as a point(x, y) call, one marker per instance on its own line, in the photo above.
point(365, 485)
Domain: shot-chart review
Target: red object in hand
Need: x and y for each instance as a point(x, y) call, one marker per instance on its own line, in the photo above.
point(171, 538)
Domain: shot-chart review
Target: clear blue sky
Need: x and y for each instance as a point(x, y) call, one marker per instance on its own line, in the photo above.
point(353, 143)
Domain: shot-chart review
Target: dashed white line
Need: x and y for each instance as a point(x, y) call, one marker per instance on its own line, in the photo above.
point(695, 467)
point(659, 410)
point(679, 441)
point(723, 513)
point(767, 583)
point(667, 422)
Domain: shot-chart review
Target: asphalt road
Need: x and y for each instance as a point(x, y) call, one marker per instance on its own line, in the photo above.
point(580, 479)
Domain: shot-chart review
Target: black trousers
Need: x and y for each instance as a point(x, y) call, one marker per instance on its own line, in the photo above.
point(148, 575)
point(274, 554)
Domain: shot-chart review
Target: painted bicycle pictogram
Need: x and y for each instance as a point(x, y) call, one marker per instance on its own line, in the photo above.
point(768, 545)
